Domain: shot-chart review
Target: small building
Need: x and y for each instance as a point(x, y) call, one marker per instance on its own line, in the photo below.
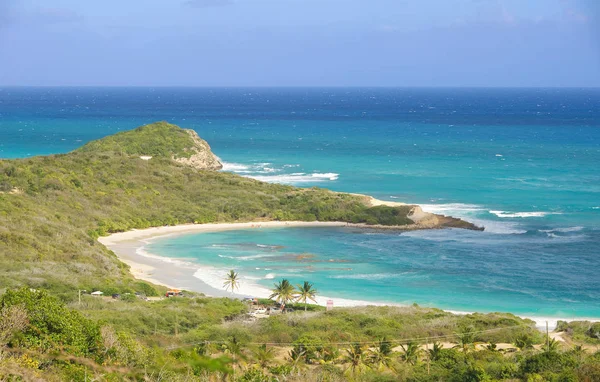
point(97, 293)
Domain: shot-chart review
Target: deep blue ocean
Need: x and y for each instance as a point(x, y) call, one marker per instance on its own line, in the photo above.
point(524, 163)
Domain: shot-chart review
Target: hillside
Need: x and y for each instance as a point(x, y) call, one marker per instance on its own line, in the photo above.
point(53, 208)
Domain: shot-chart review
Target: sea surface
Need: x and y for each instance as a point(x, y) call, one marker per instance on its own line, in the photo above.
point(523, 163)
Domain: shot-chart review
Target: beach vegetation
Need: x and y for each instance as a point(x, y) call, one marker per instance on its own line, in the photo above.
point(232, 281)
point(305, 292)
point(283, 292)
point(53, 209)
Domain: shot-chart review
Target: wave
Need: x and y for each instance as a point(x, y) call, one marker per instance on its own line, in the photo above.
point(294, 178)
point(234, 167)
point(564, 230)
point(455, 208)
point(533, 214)
point(368, 276)
point(141, 251)
point(245, 258)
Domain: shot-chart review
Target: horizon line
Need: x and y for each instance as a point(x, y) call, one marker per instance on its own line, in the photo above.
point(296, 87)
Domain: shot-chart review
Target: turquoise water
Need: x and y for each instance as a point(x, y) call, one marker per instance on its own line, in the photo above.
point(521, 162)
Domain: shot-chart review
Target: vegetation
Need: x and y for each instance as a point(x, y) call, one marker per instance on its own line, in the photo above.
point(52, 210)
point(306, 292)
point(283, 292)
point(202, 339)
point(232, 281)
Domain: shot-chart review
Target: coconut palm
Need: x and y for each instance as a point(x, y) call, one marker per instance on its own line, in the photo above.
point(552, 347)
point(232, 281)
point(435, 352)
point(524, 342)
point(264, 355)
point(283, 292)
point(380, 356)
point(466, 340)
point(296, 358)
point(411, 352)
point(355, 358)
point(235, 348)
point(306, 292)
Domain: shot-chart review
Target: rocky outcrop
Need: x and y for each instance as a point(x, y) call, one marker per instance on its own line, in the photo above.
point(202, 157)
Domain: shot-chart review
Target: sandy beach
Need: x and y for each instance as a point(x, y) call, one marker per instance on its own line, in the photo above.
point(183, 274)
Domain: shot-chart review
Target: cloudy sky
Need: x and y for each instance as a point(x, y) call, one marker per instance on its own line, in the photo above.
point(300, 42)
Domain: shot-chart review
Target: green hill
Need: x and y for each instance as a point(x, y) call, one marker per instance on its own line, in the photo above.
point(53, 208)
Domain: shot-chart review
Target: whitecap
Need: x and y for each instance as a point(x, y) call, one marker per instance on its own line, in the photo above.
point(533, 214)
point(565, 229)
point(367, 276)
point(295, 178)
point(456, 208)
point(269, 276)
point(234, 167)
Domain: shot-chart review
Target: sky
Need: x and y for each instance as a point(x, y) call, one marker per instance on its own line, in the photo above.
point(405, 43)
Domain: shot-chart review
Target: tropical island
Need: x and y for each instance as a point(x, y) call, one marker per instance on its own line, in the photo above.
point(53, 210)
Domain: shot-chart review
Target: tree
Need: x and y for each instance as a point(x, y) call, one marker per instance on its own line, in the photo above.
point(524, 342)
point(306, 292)
point(411, 353)
point(380, 356)
point(283, 292)
point(552, 347)
point(264, 356)
point(435, 352)
point(232, 281)
point(465, 340)
point(355, 357)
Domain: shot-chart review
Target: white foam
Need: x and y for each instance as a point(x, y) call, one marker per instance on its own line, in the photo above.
point(451, 207)
point(244, 258)
point(295, 178)
point(370, 276)
point(469, 213)
point(566, 229)
point(235, 167)
point(141, 251)
point(533, 214)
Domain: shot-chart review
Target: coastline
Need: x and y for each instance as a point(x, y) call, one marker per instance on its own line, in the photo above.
point(181, 274)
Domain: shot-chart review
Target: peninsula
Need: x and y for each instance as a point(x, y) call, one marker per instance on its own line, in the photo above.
point(54, 208)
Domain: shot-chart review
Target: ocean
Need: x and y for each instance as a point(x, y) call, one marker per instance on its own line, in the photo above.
point(523, 163)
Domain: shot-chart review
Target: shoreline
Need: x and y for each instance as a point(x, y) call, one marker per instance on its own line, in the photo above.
point(129, 248)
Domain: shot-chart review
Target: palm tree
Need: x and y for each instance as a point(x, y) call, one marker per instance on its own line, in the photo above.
point(234, 347)
point(306, 292)
point(264, 356)
point(283, 292)
point(232, 281)
point(296, 358)
point(553, 346)
point(524, 342)
point(411, 352)
point(355, 357)
point(380, 356)
point(435, 352)
point(465, 340)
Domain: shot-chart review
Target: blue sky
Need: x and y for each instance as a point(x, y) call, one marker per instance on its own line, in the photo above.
point(300, 42)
